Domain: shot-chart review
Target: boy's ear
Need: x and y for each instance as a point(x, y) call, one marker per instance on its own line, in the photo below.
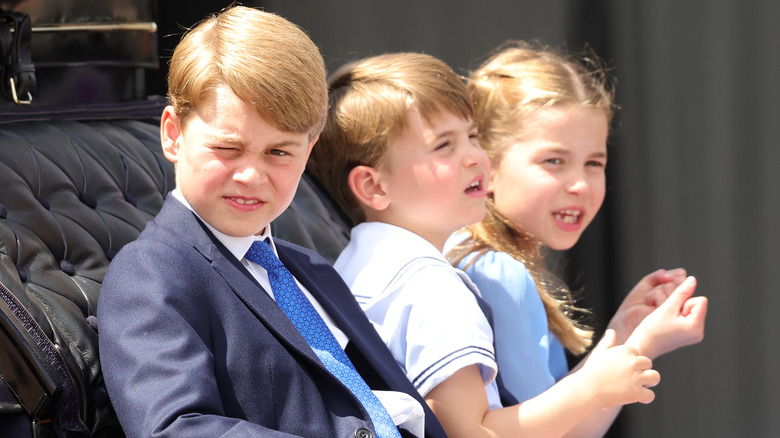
point(491, 185)
point(170, 131)
point(367, 187)
point(311, 146)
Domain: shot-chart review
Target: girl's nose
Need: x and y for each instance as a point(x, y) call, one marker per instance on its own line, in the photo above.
point(577, 184)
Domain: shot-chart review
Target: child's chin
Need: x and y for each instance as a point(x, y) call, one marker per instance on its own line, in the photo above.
point(477, 216)
point(563, 244)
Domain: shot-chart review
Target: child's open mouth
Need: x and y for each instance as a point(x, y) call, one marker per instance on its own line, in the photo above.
point(568, 216)
point(474, 187)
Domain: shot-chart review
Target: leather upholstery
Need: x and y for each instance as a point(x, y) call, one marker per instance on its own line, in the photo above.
point(71, 195)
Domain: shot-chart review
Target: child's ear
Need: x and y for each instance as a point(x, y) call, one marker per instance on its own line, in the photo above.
point(493, 180)
point(367, 187)
point(311, 146)
point(170, 130)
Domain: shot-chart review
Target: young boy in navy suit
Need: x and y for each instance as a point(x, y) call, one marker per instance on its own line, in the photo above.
point(195, 338)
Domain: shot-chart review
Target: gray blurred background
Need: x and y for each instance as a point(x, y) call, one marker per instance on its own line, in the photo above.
point(690, 170)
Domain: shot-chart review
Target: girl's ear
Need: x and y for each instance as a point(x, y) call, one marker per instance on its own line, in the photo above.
point(367, 187)
point(170, 131)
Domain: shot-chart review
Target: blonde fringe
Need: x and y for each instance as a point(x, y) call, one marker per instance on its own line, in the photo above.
point(495, 233)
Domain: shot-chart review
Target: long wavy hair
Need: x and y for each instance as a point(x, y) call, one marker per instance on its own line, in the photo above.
point(507, 91)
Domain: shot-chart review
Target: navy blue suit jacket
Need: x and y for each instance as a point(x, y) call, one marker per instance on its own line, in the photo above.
point(191, 345)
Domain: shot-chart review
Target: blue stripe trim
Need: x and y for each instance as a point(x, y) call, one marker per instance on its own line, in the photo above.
point(452, 357)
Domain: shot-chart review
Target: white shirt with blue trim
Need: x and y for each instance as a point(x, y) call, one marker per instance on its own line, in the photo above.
point(421, 306)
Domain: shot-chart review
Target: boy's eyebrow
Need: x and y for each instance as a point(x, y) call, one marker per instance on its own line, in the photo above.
point(472, 126)
point(230, 139)
point(222, 138)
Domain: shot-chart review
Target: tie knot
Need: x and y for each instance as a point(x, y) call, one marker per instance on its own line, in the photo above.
point(260, 252)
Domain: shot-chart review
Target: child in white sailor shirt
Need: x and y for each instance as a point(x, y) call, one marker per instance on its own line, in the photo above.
point(424, 309)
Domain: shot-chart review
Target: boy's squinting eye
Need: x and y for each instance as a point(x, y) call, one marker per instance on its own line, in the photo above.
point(278, 152)
point(443, 145)
point(226, 149)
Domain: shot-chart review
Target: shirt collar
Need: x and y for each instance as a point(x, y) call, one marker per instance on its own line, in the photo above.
point(238, 246)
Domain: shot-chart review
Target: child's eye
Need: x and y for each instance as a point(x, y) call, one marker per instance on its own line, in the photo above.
point(595, 164)
point(278, 152)
point(443, 145)
point(225, 150)
point(553, 161)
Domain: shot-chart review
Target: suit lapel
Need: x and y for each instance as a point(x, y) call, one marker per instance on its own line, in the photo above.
point(333, 294)
point(240, 281)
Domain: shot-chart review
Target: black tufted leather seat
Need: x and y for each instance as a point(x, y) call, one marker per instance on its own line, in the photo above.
point(72, 193)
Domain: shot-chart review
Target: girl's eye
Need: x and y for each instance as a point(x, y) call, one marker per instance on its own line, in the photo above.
point(553, 161)
point(595, 164)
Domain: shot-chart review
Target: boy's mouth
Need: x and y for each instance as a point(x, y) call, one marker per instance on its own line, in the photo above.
point(474, 186)
point(243, 201)
point(568, 216)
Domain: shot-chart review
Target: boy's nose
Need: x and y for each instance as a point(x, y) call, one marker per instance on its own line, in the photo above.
point(249, 176)
point(475, 156)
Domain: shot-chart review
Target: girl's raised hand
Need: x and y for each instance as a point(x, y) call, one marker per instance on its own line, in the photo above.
point(649, 293)
point(618, 374)
point(677, 322)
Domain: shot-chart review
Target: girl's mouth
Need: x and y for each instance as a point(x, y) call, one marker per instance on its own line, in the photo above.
point(568, 216)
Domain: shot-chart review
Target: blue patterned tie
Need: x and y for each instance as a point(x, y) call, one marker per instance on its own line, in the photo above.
point(309, 323)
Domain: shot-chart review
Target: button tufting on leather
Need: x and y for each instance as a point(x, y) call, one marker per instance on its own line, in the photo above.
point(60, 256)
point(68, 268)
point(131, 199)
point(88, 200)
point(43, 202)
point(22, 274)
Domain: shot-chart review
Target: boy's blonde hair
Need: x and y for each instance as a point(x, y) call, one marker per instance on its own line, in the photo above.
point(368, 109)
point(267, 61)
point(508, 90)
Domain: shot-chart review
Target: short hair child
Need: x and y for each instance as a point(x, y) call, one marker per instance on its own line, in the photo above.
point(232, 49)
point(368, 114)
point(195, 338)
point(399, 153)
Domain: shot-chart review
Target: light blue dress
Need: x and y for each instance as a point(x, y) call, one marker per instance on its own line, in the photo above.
point(530, 357)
